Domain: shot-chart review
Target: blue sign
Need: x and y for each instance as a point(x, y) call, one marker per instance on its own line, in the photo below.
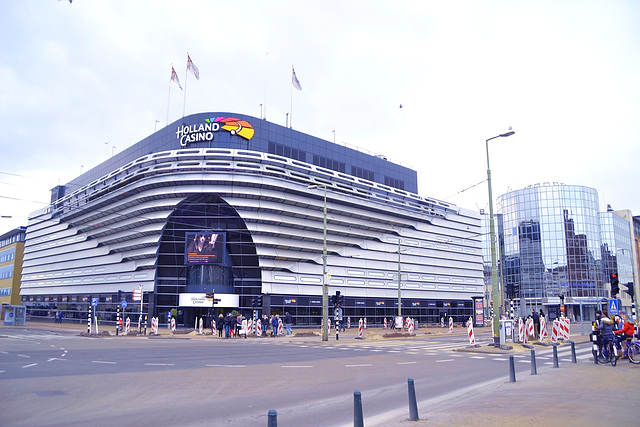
point(614, 307)
point(124, 304)
point(94, 301)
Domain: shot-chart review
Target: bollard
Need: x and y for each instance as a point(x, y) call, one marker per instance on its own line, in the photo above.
point(413, 404)
point(512, 369)
point(574, 359)
point(534, 369)
point(358, 420)
point(555, 356)
point(273, 418)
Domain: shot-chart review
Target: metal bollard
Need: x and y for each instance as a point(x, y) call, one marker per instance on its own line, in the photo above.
point(413, 404)
point(273, 418)
point(512, 369)
point(534, 369)
point(555, 356)
point(358, 420)
point(574, 359)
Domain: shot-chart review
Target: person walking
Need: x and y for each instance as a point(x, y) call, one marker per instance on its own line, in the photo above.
point(274, 325)
point(265, 325)
point(228, 324)
point(220, 324)
point(288, 321)
point(536, 323)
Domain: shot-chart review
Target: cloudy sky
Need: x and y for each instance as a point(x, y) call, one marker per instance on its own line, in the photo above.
point(84, 80)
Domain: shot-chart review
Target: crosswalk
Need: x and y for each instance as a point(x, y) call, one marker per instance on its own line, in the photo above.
point(36, 336)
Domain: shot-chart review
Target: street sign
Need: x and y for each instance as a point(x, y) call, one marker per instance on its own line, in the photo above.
point(614, 307)
point(124, 304)
point(94, 301)
point(137, 295)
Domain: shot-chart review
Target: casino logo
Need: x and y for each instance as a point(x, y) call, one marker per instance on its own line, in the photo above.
point(204, 131)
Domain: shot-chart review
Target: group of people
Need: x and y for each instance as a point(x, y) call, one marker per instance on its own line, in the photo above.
point(536, 321)
point(237, 326)
point(616, 329)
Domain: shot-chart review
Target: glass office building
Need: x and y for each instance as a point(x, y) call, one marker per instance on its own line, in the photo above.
point(235, 205)
point(555, 246)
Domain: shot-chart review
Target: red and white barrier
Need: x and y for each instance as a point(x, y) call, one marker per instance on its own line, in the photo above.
point(360, 323)
point(349, 322)
point(365, 323)
point(442, 322)
point(173, 324)
point(563, 328)
point(280, 328)
point(530, 329)
point(385, 323)
point(520, 330)
point(472, 337)
point(554, 332)
point(411, 326)
point(200, 326)
point(450, 325)
point(258, 328)
point(127, 327)
point(250, 326)
point(543, 329)
point(154, 325)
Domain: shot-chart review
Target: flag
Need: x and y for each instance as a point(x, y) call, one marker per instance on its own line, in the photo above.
point(192, 67)
point(294, 80)
point(174, 77)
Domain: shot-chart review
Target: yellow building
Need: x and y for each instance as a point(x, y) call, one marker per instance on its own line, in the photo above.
point(11, 252)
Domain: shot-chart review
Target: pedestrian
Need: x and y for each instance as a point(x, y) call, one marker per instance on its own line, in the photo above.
point(244, 327)
point(238, 325)
point(536, 323)
point(274, 325)
point(288, 320)
point(228, 324)
point(220, 324)
point(265, 325)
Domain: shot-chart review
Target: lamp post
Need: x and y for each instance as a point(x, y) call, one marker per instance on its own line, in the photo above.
point(325, 285)
point(399, 282)
point(494, 265)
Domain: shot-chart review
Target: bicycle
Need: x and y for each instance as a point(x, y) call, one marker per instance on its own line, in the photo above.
point(632, 351)
point(613, 354)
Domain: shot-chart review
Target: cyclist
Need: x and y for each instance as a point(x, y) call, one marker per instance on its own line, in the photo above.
point(625, 333)
point(605, 326)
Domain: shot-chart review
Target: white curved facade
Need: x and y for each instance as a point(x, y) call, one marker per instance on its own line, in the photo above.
point(107, 235)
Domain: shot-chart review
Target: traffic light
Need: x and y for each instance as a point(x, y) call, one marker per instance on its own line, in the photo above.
point(259, 302)
point(629, 289)
point(332, 300)
point(340, 298)
point(209, 295)
point(615, 288)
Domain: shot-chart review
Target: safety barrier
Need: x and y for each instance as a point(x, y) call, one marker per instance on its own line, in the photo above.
point(127, 326)
point(365, 323)
point(563, 328)
point(360, 323)
point(349, 322)
point(154, 325)
point(200, 326)
point(384, 323)
point(543, 329)
point(410, 325)
point(450, 325)
point(520, 330)
point(280, 328)
point(472, 337)
point(258, 328)
point(554, 332)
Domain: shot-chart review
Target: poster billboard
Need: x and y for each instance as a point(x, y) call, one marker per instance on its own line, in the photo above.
point(204, 247)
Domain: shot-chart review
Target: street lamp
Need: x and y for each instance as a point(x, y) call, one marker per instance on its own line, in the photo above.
point(494, 266)
point(325, 285)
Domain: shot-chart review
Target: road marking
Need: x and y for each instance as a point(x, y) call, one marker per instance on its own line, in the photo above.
point(445, 360)
point(477, 357)
point(499, 358)
point(406, 363)
point(103, 361)
point(4, 352)
point(358, 366)
point(28, 366)
point(23, 355)
point(297, 366)
point(158, 364)
point(54, 358)
point(226, 366)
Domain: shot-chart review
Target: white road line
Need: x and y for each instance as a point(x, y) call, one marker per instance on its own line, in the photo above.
point(23, 355)
point(499, 358)
point(296, 366)
point(226, 366)
point(28, 366)
point(104, 362)
point(477, 357)
point(445, 360)
point(159, 364)
point(358, 366)
point(406, 363)
point(4, 352)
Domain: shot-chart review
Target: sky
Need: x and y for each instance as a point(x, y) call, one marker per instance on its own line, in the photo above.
point(81, 81)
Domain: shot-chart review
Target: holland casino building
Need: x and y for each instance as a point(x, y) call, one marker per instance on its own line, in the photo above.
point(232, 204)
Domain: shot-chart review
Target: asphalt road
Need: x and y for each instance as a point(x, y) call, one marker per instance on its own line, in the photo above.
point(51, 379)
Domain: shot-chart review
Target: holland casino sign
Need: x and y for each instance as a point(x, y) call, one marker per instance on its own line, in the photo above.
point(204, 131)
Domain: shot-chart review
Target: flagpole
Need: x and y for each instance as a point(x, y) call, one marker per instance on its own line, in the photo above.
point(291, 108)
point(168, 102)
point(186, 73)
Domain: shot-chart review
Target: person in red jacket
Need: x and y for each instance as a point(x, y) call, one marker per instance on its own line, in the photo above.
point(627, 330)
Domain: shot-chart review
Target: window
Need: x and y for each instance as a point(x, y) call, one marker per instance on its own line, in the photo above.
point(285, 151)
point(329, 163)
